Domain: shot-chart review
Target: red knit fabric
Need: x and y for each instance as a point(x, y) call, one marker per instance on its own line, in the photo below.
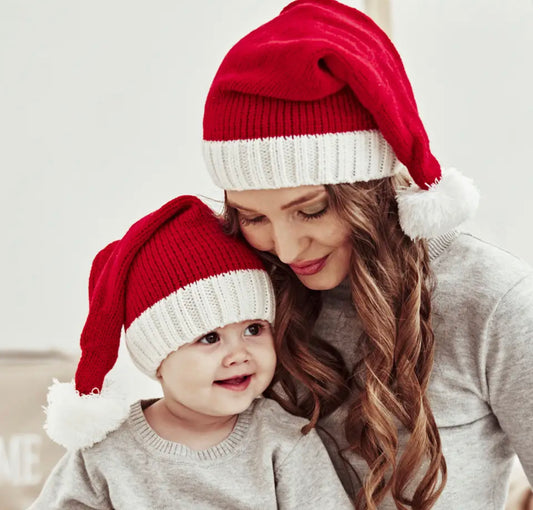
point(159, 254)
point(179, 249)
point(245, 116)
point(290, 77)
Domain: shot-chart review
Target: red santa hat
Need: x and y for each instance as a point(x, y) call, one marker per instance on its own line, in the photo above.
point(319, 95)
point(173, 277)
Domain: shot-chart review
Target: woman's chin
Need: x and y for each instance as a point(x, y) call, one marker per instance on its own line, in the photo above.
point(322, 280)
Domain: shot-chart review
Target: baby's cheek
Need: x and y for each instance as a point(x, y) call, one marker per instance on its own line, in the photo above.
point(269, 359)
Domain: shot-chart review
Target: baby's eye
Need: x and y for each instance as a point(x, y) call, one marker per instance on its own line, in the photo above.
point(253, 329)
point(210, 338)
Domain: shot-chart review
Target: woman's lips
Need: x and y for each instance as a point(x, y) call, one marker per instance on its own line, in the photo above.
point(239, 383)
point(310, 267)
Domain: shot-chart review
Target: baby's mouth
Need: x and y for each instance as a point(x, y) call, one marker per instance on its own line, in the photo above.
point(235, 383)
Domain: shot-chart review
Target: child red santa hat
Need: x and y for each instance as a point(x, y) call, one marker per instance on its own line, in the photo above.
point(319, 95)
point(172, 278)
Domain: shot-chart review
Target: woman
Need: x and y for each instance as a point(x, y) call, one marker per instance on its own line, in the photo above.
point(408, 344)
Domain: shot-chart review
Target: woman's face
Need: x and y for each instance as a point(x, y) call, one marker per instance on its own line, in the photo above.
point(299, 227)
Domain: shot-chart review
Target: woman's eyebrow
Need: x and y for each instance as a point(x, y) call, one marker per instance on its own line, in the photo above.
point(292, 203)
point(240, 207)
point(303, 198)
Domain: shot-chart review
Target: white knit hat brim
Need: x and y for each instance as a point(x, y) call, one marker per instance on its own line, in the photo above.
point(336, 158)
point(197, 309)
point(291, 161)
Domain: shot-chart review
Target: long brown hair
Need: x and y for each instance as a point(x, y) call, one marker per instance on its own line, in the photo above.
point(391, 286)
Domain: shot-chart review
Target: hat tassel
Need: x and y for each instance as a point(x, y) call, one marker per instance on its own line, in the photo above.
point(78, 421)
point(442, 207)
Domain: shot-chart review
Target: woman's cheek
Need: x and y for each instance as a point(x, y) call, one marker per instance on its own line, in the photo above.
point(256, 238)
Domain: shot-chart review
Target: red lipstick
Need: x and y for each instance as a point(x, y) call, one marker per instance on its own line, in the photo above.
point(310, 267)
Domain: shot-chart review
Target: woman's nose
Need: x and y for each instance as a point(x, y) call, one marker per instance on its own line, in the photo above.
point(288, 244)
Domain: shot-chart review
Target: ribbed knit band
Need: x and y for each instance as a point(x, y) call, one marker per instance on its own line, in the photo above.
point(195, 310)
point(158, 446)
point(189, 248)
point(232, 115)
point(291, 161)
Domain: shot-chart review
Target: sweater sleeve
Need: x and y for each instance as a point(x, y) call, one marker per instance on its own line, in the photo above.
point(306, 478)
point(509, 368)
point(70, 485)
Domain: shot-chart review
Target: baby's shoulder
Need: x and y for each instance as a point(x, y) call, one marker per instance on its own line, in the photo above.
point(278, 436)
point(114, 446)
point(270, 418)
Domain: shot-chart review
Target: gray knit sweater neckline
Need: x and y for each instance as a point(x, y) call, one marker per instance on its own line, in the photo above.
point(151, 440)
point(439, 245)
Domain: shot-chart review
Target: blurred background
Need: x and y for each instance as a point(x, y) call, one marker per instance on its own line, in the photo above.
point(100, 123)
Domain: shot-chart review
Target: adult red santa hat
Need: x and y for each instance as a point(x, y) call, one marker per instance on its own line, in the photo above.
point(319, 95)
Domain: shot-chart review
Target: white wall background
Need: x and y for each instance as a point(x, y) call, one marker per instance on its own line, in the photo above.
point(100, 122)
point(470, 64)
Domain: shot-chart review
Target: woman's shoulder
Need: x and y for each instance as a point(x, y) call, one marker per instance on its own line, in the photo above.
point(472, 262)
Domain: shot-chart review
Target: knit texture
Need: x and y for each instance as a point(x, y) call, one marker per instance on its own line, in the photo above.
point(319, 95)
point(480, 388)
point(194, 310)
point(308, 159)
point(173, 277)
point(266, 463)
point(189, 248)
point(319, 67)
point(165, 257)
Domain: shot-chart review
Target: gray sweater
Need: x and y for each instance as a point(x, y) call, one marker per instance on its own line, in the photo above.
point(265, 463)
point(481, 386)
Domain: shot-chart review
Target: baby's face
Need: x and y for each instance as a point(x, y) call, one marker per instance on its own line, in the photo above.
point(221, 373)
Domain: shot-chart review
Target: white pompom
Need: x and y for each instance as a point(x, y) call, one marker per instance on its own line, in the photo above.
point(444, 206)
point(78, 421)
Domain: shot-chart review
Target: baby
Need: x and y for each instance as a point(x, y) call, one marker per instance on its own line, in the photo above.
point(196, 307)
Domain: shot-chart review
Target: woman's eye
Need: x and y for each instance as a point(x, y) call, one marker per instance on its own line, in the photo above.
point(210, 338)
point(310, 214)
point(253, 329)
point(251, 221)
